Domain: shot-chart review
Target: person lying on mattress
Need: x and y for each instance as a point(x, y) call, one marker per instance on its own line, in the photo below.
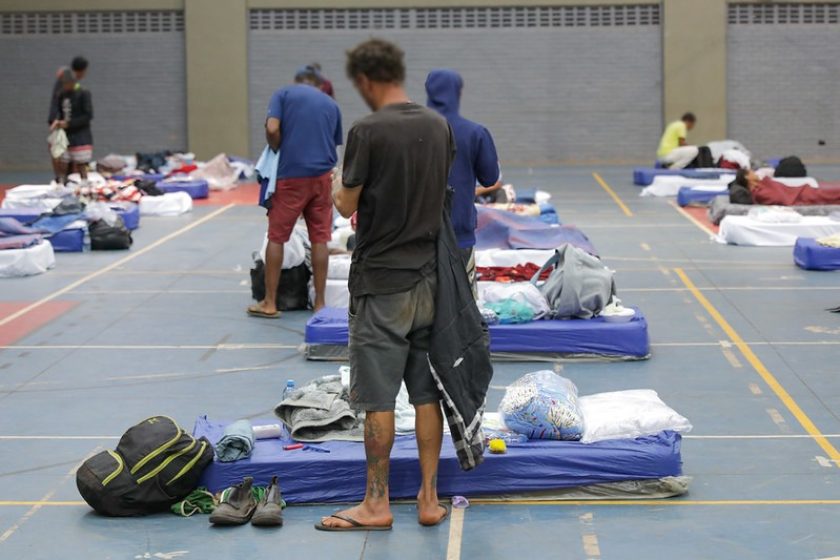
point(748, 188)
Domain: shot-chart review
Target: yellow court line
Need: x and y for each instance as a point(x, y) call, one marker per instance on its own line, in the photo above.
point(657, 503)
point(116, 264)
point(612, 193)
point(761, 369)
point(703, 227)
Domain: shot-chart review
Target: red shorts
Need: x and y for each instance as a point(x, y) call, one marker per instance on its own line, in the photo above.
point(310, 196)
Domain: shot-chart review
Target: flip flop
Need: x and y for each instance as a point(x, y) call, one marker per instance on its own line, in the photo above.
point(442, 519)
point(354, 525)
point(255, 311)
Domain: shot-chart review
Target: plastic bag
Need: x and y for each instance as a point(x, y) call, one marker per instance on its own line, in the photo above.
point(96, 211)
point(628, 415)
point(524, 294)
point(543, 405)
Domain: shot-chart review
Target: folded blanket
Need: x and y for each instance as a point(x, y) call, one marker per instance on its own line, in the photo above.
point(320, 411)
point(237, 442)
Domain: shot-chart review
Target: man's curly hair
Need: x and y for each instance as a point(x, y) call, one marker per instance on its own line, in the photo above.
point(378, 60)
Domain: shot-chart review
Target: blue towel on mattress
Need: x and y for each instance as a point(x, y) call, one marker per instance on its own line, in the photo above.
point(236, 443)
point(54, 224)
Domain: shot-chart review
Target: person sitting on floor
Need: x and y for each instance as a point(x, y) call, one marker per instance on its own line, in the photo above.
point(673, 151)
point(748, 188)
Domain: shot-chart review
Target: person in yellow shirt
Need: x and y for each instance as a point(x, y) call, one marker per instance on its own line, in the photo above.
point(673, 151)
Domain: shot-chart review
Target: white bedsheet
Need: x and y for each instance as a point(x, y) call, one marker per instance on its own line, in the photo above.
point(37, 259)
point(670, 185)
point(743, 230)
point(169, 204)
point(41, 197)
point(512, 257)
point(337, 294)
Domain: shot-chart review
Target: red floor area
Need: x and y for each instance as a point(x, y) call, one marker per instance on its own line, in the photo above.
point(28, 323)
point(244, 194)
point(702, 216)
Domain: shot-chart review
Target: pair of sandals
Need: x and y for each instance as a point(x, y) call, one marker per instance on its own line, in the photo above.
point(357, 526)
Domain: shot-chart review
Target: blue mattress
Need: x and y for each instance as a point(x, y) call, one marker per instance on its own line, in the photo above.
point(196, 189)
point(130, 213)
point(576, 337)
point(68, 240)
point(339, 476)
point(499, 229)
point(695, 196)
point(24, 215)
point(156, 177)
point(810, 255)
point(643, 176)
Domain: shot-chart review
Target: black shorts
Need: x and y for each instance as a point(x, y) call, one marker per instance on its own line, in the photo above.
point(389, 344)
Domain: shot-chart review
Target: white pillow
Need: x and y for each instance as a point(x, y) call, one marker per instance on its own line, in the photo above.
point(627, 415)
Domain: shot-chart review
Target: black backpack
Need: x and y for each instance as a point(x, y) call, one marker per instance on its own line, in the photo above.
point(703, 160)
point(790, 166)
point(155, 465)
point(105, 237)
point(293, 291)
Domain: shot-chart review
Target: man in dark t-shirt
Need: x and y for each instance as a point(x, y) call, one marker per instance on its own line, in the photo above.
point(396, 166)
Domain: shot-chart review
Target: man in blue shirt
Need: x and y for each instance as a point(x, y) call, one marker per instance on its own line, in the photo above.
point(305, 125)
point(476, 160)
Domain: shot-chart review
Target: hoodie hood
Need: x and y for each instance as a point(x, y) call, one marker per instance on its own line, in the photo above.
point(443, 88)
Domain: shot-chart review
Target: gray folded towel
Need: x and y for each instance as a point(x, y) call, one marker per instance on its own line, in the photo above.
point(237, 442)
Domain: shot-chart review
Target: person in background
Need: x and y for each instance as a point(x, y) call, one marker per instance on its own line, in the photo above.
point(476, 160)
point(305, 125)
point(74, 115)
point(325, 85)
point(396, 166)
point(78, 67)
point(674, 152)
point(749, 188)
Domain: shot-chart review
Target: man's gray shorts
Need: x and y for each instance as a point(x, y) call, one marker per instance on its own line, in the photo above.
point(389, 343)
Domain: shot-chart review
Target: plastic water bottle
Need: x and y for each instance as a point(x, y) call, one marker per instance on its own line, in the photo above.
point(290, 388)
point(514, 438)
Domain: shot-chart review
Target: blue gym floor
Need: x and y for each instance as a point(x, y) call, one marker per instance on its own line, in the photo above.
point(741, 345)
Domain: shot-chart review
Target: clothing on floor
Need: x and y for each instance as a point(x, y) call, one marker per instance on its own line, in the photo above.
point(320, 411)
point(670, 140)
point(476, 160)
point(401, 156)
point(310, 130)
point(680, 158)
point(237, 442)
point(770, 192)
point(200, 500)
point(459, 353)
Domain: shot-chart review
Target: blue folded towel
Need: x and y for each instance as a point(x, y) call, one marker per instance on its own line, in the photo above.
point(237, 442)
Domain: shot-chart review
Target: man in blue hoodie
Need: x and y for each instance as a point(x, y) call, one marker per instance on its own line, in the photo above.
point(476, 161)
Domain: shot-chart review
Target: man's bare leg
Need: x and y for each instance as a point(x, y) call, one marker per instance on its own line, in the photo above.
point(273, 266)
point(429, 429)
point(375, 510)
point(320, 264)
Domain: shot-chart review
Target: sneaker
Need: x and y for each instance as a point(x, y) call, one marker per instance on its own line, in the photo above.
point(236, 505)
point(270, 509)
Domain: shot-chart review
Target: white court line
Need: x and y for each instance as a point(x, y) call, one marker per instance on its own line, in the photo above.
point(116, 264)
point(456, 534)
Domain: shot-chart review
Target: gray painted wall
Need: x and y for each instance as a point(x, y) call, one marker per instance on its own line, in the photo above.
point(556, 94)
point(784, 88)
point(137, 81)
